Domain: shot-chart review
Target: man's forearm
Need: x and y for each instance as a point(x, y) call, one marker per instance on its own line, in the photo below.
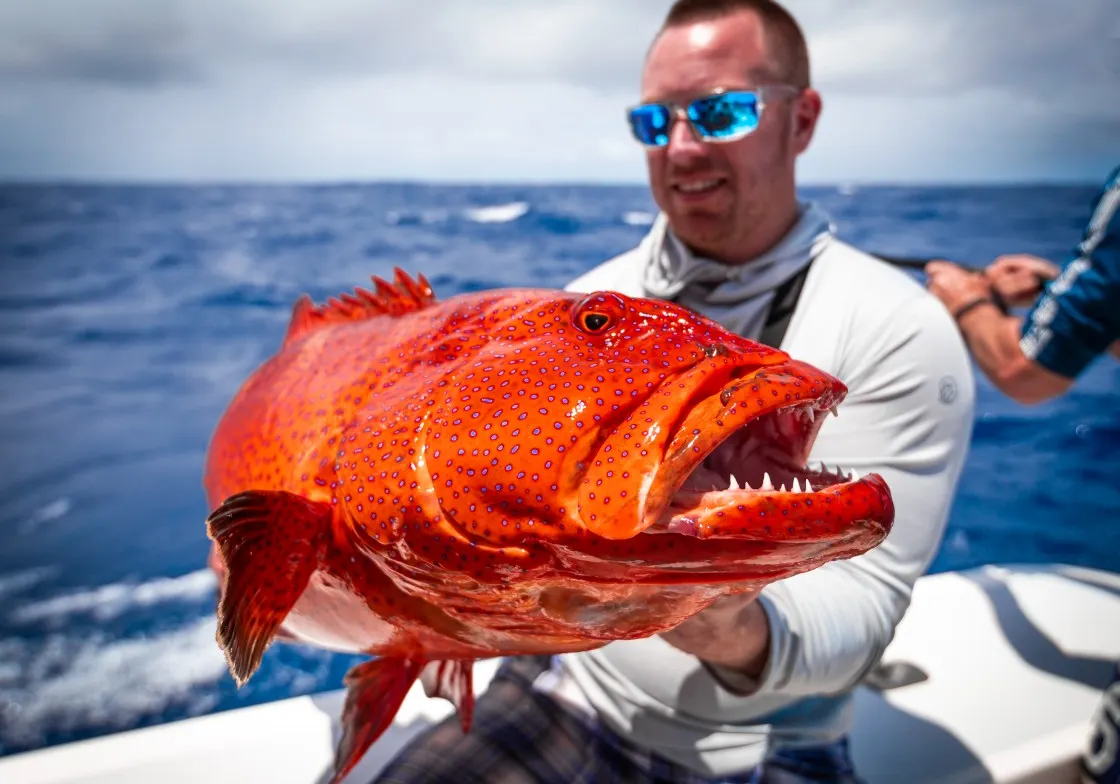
point(741, 652)
point(993, 338)
point(748, 648)
point(733, 633)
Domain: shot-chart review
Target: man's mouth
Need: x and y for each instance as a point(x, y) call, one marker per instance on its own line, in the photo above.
point(698, 188)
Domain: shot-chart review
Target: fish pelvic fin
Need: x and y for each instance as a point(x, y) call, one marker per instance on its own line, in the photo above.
point(375, 691)
point(270, 542)
point(403, 295)
point(454, 681)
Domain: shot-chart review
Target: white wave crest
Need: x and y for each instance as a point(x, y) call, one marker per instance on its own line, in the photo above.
point(73, 682)
point(239, 266)
point(637, 218)
point(113, 600)
point(52, 511)
point(499, 213)
point(225, 367)
point(17, 582)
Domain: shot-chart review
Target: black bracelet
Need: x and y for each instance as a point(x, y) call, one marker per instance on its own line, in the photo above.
point(985, 300)
point(999, 302)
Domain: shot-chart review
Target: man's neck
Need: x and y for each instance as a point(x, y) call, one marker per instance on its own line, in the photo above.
point(771, 230)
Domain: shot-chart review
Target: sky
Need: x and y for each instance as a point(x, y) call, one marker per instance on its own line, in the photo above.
point(915, 91)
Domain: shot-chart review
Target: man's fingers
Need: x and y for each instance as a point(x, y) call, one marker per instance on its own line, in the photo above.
point(1023, 263)
point(1045, 269)
point(938, 266)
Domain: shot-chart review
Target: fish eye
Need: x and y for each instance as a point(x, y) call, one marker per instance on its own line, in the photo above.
point(593, 321)
point(598, 312)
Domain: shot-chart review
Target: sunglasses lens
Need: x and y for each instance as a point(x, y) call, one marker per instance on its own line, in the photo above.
point(725, 116)
point(650, 124)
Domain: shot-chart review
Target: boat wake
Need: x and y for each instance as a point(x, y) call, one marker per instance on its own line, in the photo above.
point(66, 668)
point(115, 599)
point(80, 663)
point(67, 683)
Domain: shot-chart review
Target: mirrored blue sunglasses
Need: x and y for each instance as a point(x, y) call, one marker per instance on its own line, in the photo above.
point(723, 116)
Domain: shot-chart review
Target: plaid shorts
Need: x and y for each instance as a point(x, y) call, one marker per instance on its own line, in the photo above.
point(521, 736)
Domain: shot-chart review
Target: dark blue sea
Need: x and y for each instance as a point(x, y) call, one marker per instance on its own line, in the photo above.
point(130, 315)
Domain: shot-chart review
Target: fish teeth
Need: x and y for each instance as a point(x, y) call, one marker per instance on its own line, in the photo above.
point(855, 476)
point(734, 484)
point(766, 482)
point(810, 413)
point(834, 411)
point(796, 486)
point(808, 486)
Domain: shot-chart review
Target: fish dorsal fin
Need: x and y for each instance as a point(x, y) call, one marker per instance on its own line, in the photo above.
point(403, 295)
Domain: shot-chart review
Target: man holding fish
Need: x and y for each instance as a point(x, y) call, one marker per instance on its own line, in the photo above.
point(755, 687)
point(602, 485)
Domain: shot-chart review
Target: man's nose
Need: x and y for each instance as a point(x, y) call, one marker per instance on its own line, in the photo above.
point(684, 144)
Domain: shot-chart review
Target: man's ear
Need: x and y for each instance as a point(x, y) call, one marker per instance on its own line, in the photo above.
point(806, 112)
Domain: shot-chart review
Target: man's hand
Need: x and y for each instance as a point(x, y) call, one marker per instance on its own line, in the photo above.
point(1018, 278)
point(954, 285)
point(733, 632)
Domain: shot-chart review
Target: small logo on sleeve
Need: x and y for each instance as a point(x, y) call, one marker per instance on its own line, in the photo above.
point(947, 389)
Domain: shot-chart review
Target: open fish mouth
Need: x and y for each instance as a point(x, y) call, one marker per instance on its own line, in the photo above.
point(734, 465)
point(753, 479)
point(755, 484)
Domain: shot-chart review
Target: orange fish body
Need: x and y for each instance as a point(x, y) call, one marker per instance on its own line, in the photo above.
point(510, 472)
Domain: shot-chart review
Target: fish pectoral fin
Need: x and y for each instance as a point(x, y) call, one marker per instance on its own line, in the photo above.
point(454, 681)
point(269, 541)
point(403, 295)
point(375, 691)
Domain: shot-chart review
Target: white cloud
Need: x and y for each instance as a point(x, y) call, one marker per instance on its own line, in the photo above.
point(528, 90)
point(163, 41)
point(389, 127)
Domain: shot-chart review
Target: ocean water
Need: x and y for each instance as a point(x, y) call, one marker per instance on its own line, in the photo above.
point(130, 315)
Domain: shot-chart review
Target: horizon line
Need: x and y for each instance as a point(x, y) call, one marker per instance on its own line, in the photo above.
point(178, 182)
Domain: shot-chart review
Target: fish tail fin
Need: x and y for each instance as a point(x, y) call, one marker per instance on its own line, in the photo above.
point(375, 691)
point(269, 541)
point(454, 681)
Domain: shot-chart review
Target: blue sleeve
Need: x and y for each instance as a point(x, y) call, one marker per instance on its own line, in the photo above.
point(1078, 315)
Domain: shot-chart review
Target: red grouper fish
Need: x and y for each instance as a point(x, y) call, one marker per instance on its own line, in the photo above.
point(515, 471)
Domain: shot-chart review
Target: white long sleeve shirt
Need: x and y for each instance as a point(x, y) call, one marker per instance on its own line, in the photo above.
point(908, 417)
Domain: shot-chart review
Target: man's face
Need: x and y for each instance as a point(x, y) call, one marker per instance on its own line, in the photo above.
point(718, 197)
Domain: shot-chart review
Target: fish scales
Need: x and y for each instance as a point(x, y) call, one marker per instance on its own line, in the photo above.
point(510, 472)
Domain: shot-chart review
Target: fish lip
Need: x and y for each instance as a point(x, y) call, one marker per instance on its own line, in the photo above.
point(680, 518)
point(813, 390)
point(783, 432)
point(758, 392)
point(793, 487)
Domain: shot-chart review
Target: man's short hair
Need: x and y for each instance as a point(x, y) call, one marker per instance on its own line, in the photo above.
point(784, 39)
